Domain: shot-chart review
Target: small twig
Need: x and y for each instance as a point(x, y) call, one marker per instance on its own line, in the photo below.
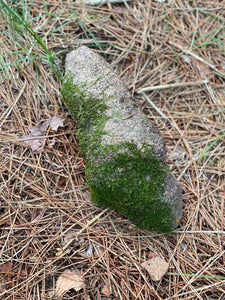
point(173, 85)
point(156, 108)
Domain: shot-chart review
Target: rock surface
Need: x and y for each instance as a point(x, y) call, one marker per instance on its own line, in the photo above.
point(129, 146)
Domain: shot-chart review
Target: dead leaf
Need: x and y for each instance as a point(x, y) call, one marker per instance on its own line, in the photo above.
point(35, 140)
point(106, 290)
point(35, 130)
point(6, 269)
point(156, 267)
point(54, 123)
point(69, 279)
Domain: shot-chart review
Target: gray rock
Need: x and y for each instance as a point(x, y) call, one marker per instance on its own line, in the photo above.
point(124, 125)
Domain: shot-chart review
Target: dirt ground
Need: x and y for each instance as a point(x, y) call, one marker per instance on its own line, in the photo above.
point(171, 55)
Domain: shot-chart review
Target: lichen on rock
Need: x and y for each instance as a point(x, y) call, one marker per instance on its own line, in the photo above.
point(124, 152)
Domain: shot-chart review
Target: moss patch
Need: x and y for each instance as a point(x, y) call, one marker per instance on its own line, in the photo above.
point(88, 113)
point(120, 176)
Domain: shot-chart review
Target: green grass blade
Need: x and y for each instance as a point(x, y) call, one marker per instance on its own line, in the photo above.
point(211, 145)
point(18, 22)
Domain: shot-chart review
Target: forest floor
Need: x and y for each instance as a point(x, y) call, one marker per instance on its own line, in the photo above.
point(47, 222)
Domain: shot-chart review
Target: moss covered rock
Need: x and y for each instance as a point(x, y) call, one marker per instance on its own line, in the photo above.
point(124, 152)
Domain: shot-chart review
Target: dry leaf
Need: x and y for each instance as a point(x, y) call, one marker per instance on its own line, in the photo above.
point(35, 140)
point(6, 269)
point(54, 123)
point(156, 267)
point(69, 279)
point(35, 130)
point(106, 290)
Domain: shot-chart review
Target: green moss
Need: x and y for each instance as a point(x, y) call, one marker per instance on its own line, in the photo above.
point(88, 113)
point(132, 180)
